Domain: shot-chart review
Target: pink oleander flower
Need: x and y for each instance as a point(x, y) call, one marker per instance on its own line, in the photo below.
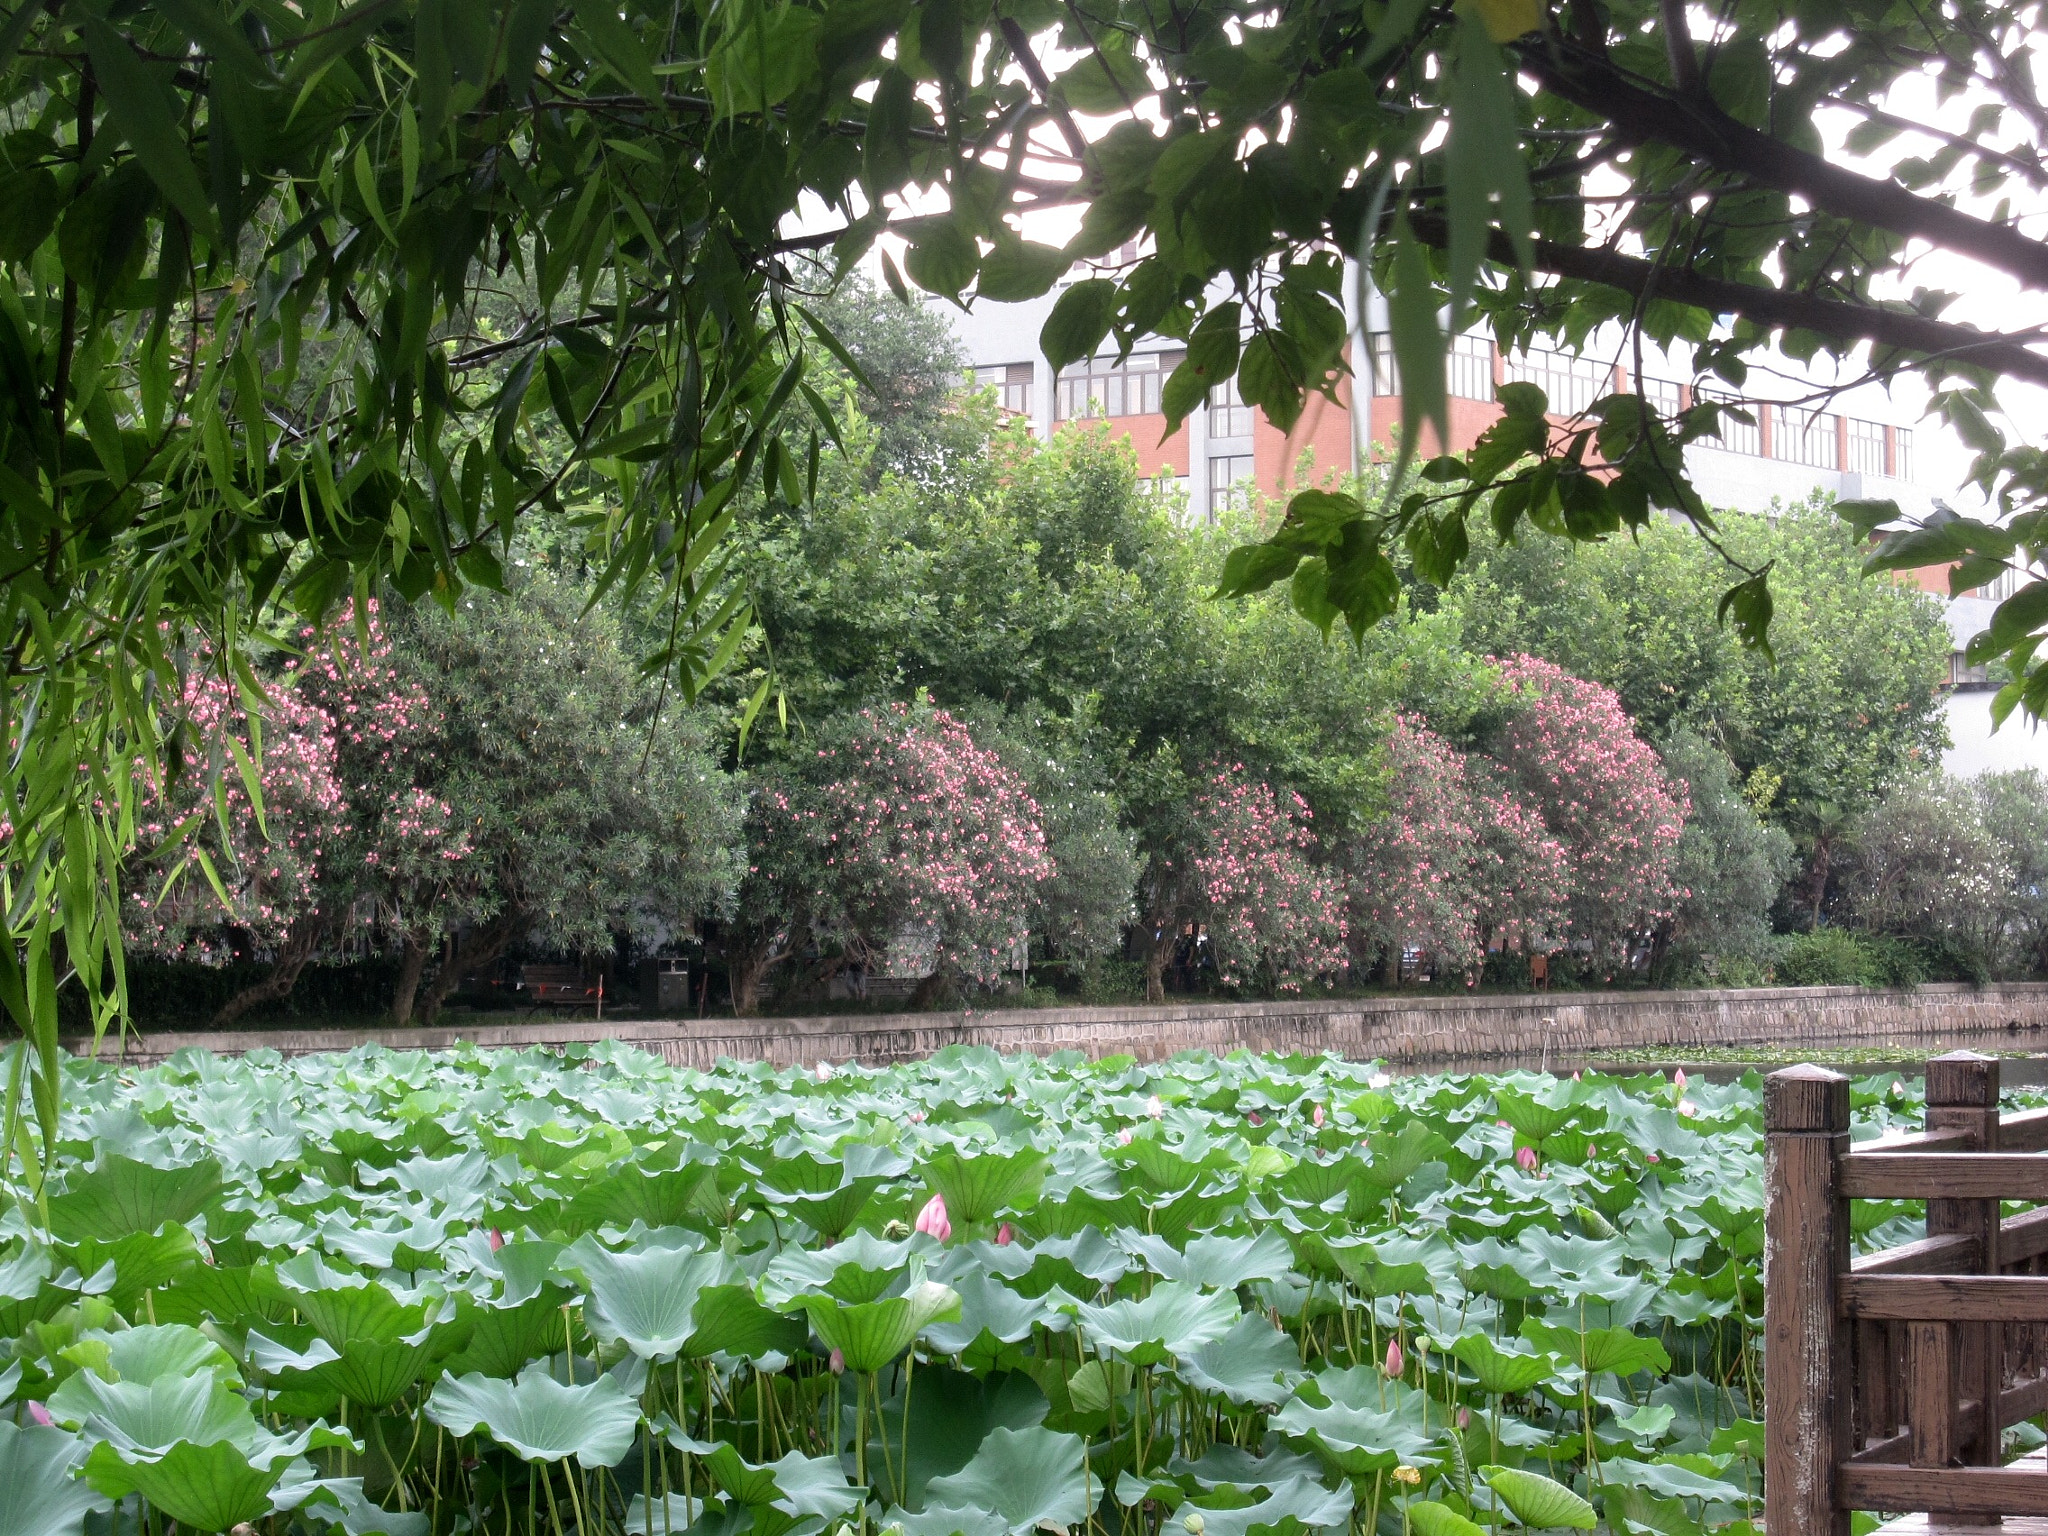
point(1396, 1363)
point(1525, 1159)
point(932, 1219)
point(1005, 1236)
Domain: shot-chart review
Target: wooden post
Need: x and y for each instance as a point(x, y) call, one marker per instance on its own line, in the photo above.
point(1962, 1095)
point(1806, 1345)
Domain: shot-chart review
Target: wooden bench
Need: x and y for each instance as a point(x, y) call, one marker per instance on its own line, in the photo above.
point(556, 987)
point(1877, 1371)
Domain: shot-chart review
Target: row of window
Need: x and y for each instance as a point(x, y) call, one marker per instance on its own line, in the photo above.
point(1821, 439)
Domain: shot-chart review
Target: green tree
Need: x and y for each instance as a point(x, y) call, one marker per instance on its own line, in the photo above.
point(2014, 808)
point(1848, 703)
point(1729, 865)
point(586, 809)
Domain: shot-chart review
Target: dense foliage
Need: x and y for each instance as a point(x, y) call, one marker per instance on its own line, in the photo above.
point(412, 1294)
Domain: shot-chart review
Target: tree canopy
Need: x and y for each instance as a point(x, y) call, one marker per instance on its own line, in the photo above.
point(308, 297)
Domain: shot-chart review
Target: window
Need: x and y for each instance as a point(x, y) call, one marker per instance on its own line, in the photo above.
point(1571, 384)
point(1804, 437)
point(1230, 480)
point(1902, 454)
point(1866, 447)
point(1471, 368)
point(1229, 416)
point(1012, 384)
point(1664, 396)
point(1386, 376)
point(1105, 387)
point(1733, 435)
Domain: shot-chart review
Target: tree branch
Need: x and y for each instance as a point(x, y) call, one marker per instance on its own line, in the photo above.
point(1704, 130)
point(1767, 306)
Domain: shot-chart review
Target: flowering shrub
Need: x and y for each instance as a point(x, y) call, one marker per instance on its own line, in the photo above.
point(1269, 906)
point(898, 827)
point(1414, 871)
point(1571, 752)
point(211, 860)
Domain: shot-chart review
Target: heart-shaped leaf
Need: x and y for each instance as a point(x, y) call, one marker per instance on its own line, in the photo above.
point(540, 1419)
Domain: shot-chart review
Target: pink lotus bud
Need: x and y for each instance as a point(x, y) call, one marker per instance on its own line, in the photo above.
point(1255, 1118)
point(497, 1239)
point(1591, 1151)
point(1154, 1108)
point(1898, 1090)
point(1004, 1236)
point(824, 1071)
point(1395, 1361)
point(1464, 1418)
point(1653, 1157)
point(1503, 1125)
point(1678, 1079)
point(932, 1219)
point(1525, 1159)
point(1576, 1078)
point(917, 1117)
point(837, 1362)
point(1316, 1117)
point(39, 1415)
point(1123, 1137)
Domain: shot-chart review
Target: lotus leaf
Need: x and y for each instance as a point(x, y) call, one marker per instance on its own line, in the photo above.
point(1499, 1370)
point(796, 1485)
point(40, 1492)
point(731, 1322)
point(1253, 1363)
point(1538, 1500)
point(1294, 1505)
point(645, 1300)
point(869, 1334)
point(119, 1197)
point(1019, 1480)
point(1440, 1520)
point(1176, 1316)
point(539, 1418)
point(980, 1188)
point(1598, 1349)
point(1217, 1262)
point(1363, 1424)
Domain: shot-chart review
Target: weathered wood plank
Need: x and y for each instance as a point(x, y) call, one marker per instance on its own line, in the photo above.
point(1955, 1254)
point(1945, 1298)
point(2020, 1490)
point(1945, 1176)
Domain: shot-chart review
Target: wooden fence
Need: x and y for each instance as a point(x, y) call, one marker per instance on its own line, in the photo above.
point(1889, 1379)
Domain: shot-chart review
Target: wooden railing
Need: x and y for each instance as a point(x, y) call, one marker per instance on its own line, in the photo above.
point(1877, 1371)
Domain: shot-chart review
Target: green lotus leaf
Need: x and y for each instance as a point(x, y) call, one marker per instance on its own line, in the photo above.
point(23, 1296)
point(1176, 1316)
point(1677, 1477)
point(730, 1320)
point(119, 1197)
point(235, 1295)
point(1499, 1370)
point(796, 1485)
point(869, 1334)
point(981, 1187)
point(1363, 1422)
point(1598, 1349)
point(860, 1269)
point(1217, 1262)
point(139, 1264)
point(658, 1197)
point(40, 1491)
point(342, 1502)
point(142, 1354)
point(502, 1339)
point(1537, 1114)
point(1390, 1264)
point(1440, 1520)
point(1253, 1363)
point(1020, 1480)
point(211, 1487)
point(538, 1418)
point(1293, 1505)
point(950, 1414)
point(382, 1345)
point(1398, 1154)
point(1538, 1500)
point(989, 1312)
point(645, 1299)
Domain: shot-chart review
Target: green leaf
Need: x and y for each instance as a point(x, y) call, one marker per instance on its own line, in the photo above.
point(148, 120)
point(1020, 269)
point(1502, 1371)
point(1175, 1315)
point(1440, 1520)
point(538, 1418)
point(1271, 375)
point(870, 1334)
point(942, 258)
point(1253, 1363)
point(798, 1485)
point(1538, 1500)
point(645, 1300)
point(40, 1495)
point(618, 46)
point(1078, 322)
point(1252, 568)
point(118, 1196)
point(982, 1187)
point(1019, 1481)
point(1419, 346)
point(1749, 604)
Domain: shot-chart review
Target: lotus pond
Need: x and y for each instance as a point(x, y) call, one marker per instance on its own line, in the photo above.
point(546, 1295)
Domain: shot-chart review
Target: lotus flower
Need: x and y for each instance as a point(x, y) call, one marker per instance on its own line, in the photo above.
point(1255, 1118)
point(1396, 1362)
point(1525, 1159)
point(1154, 1108)
point(1380, 1080)
point(1004, 1236)
point(1898, 1090)
point(1123, 1137)
point(824, 1071)
point(1464, 1418)
point(1410, 1477)
point(1678, 1079)
point(837, 1361)
point(1591, 1151)
point(1687, 1108)
point(1316, 1117)
point(932, 1219)
point(497, 1239)
point(1653, 1157)
point(39, 1415)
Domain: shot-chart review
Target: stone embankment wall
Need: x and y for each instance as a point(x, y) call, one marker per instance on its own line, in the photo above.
point(1406, 1031)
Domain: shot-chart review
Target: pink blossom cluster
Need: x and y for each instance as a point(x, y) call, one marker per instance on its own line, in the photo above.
point(907, 826)
point(1269, 902)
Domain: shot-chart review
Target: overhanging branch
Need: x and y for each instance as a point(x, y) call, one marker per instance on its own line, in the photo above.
point(1766, 306)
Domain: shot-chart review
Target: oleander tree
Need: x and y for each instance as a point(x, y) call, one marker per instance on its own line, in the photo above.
point(1567, 749)
point(1274, 914)
point(1412, 875)
point(892, 830)
point(265, 838)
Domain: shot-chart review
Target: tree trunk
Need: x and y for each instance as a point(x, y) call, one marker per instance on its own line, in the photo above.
point(301, 943)
point(1821, 860)
point(1158, 950)
point(746, 969)
point(480, 946)
point(412, 965)
point(935, 991)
